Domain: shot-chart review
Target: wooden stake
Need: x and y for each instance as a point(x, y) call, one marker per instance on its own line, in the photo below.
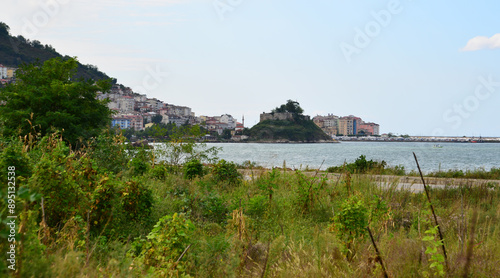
point(433, 213)
point(378, 253)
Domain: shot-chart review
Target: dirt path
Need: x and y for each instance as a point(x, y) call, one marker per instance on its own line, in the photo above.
point(409, 182)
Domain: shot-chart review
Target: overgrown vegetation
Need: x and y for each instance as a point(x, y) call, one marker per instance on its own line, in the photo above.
point(82, 215)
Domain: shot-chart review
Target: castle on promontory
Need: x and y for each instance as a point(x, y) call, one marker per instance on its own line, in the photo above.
point(280, 116)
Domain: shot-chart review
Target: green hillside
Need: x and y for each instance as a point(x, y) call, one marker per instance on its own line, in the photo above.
point(298, 129)
point(304, 131)
point(17, 50)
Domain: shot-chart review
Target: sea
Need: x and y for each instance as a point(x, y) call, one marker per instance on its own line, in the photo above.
point(446, 156)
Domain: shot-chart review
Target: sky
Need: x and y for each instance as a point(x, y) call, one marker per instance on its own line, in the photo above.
point(414, 67)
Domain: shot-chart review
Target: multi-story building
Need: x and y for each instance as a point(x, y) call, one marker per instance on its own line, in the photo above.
point(331, 121)
point(140, 98)
point(174, 110)
point(121, 122)
point(126, 104)
point(368, 129)
point(165, 119)
point(155, 104)
point(128, 121)
point(220, 123)
point(229, 120)
point(178, 121)
point(114, 105)
point(349, 125)
point(329, 124)
point(137, 122)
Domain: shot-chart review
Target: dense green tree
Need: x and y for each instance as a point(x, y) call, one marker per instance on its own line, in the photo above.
point(4, 29)
point(47, 97)
point(156, 119)
point(226, 134)
point(291, 107)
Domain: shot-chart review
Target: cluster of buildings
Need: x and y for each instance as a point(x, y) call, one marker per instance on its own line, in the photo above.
point(138, 112)
point(7, 74)
point(349, 125)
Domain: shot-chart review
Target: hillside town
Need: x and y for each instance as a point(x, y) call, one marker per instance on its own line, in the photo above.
point(139, 112)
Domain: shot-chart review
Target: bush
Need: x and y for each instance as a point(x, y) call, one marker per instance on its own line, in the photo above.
point(360, 166)
point(257, 206)
point(225, 171)
point(351, 221)
point(137, 200)
point(164, 244)
point(141, 162)
point(13, 154)
point(109, 152)
point(192, 169)
point(58, 176)
point(160, 171)
point(214, 208)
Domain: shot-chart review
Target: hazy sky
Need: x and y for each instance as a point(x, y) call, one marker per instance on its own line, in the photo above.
point(414, 67)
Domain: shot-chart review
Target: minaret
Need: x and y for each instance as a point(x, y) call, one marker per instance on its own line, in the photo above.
point(243, 120)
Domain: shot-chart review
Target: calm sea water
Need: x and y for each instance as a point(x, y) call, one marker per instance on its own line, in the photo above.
point(464, 156)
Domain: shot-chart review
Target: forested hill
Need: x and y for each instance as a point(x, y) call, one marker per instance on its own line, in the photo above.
point(292, 127)
point(17, 50)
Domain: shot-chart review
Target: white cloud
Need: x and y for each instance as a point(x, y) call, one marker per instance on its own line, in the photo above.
point(482, 42)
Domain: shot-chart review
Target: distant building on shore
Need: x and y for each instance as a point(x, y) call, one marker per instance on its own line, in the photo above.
point(348, 125)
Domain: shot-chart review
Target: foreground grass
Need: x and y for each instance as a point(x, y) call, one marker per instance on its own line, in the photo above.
point(278, 223)
point(286, 238)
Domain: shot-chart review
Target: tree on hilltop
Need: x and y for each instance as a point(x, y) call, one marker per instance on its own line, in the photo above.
point(47, 98)
point(4, 29)
point(290, 106)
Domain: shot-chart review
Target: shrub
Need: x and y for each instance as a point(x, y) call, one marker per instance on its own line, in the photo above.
point(57, 176)
point(257, 206)
point(360, 166)
point(225, 171)
point(160, 171)
point(164, 244)
point(269, 183)
point(109, 153)
point(141, 162)
point(192, 169)
point(137, 200)
point(436, 260)
point(307, 191)
point(102, 201)
point(214, 208)
point(13, 154)
point(351, 221)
